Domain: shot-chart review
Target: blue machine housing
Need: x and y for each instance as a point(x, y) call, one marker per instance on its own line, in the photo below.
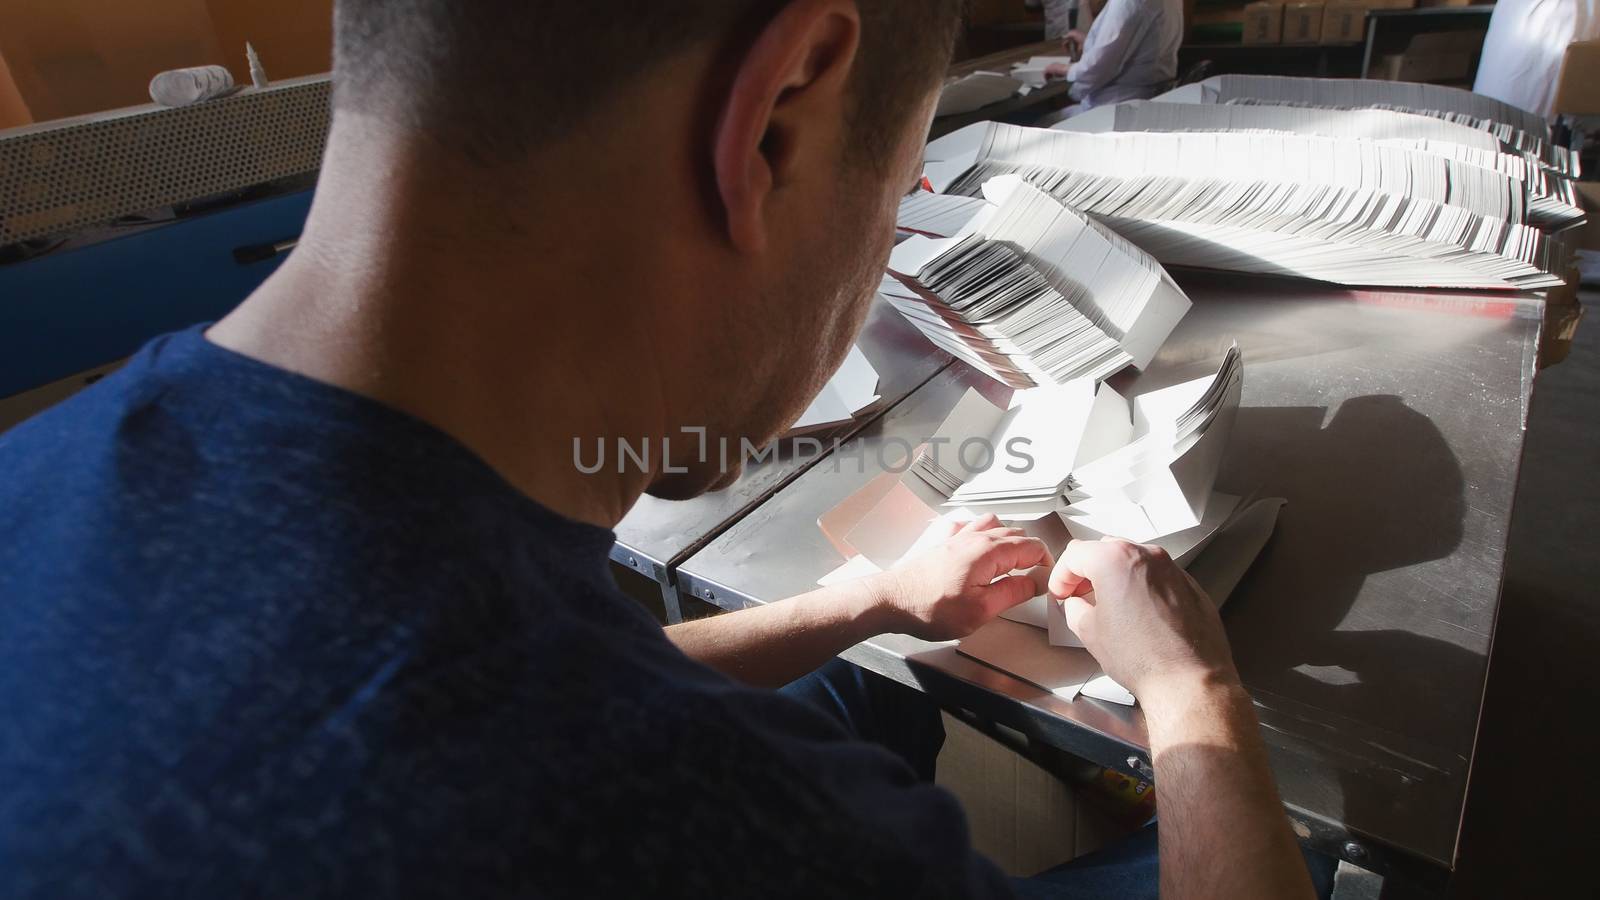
point(65, 312)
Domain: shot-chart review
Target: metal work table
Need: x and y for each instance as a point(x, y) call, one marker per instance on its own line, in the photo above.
point(1034, 101)
point(656, 534)
point(1392, 421)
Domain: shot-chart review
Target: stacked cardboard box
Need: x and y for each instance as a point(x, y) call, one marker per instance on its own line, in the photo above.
point(1345, 21)
point(1441, 56)
point(1263, 23)
point(1311, 22)
point(1302, 22)
point(1578, 87)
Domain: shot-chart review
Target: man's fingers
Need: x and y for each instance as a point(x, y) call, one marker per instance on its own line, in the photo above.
point(1078, 611)
point(1063, 581)
point(1040, 576)
point(1084, 561)
point(1006, 593)
point(982, 523)
point(1008, 554)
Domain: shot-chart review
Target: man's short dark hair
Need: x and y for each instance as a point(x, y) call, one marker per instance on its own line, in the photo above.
point(497, 78)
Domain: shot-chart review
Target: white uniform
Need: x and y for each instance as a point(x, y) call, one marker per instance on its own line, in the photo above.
point(1523, 50)
point(1130, 52)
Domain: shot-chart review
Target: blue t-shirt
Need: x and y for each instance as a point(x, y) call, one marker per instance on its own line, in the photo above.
point(260, 636)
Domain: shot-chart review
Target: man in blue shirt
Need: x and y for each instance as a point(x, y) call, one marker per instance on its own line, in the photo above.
point(315, 602)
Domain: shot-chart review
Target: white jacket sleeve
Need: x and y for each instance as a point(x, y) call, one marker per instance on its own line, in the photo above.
point(1111, 40)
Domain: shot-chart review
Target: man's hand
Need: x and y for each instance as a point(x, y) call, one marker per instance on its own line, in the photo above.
point(1073, 43)
point(952, 589)
point(944, 593)
point(1149, 625)
point(1223, 831)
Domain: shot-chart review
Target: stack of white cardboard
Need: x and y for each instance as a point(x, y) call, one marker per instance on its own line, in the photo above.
point(1552, 201)
point(1158, 482)
point(1036, 70)
point(1017, 463)
point(1139, 470)
point(1081, 452)
point(937, 215)
point(847, 394)
point(1362, 92)
point(1518, 128)
point(973, 92)
point(1556, 159)
point(1068, 461)
point(1031, 292)
point(1342, 211)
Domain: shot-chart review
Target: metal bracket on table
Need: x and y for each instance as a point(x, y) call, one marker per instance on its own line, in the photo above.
point(654, 569)
point(713, 593)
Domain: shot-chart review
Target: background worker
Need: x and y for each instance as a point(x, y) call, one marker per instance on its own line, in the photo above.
point(1130, 52)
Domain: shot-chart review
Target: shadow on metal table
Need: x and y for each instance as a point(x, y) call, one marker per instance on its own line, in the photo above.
point(1392, 421)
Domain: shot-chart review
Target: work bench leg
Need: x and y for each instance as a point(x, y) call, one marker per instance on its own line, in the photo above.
point(671, 603)
point(1353, 883)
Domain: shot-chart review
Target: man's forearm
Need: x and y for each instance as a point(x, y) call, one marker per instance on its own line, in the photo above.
point(774, 644)
point(1223, 828)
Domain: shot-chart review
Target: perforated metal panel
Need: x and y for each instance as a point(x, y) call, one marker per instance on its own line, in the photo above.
point(60, 177)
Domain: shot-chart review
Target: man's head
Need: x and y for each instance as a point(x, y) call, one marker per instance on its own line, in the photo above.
point(747, 156)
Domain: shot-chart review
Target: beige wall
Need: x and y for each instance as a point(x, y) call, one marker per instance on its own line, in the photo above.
point(293, 37)
point(13, 110)
point(70, 57)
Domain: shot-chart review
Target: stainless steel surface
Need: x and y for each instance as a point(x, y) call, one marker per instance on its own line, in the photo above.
point(1393, 423)
point(657, 534)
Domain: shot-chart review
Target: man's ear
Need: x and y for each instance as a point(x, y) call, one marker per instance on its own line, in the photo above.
point(784, 110)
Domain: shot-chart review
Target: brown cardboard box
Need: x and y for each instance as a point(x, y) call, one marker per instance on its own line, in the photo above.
point(1217, 15)
point(1392, 4)
point(1562, 312)
point(1263, 23)
point(1345, 22)
point(1020, 816)
point(1587, 236)
point(1442, 56)
point(1302, 23)
point(1424, 67)
point(1427, 3)
point(1578, 87)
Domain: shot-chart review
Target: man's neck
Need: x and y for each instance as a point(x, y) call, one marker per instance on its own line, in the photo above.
point(497, 349)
